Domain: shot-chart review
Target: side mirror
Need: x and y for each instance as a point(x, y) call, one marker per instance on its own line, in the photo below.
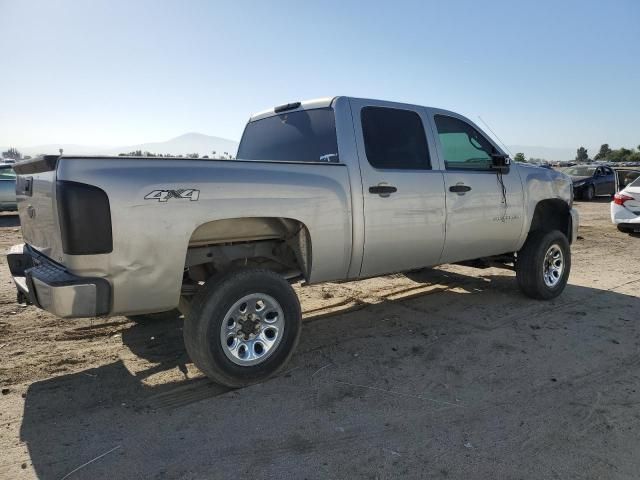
point(500, 162)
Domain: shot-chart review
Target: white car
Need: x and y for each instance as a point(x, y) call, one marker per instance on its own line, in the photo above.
point(625, 208)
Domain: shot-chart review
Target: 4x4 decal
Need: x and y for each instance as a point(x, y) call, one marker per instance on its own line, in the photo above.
point(164, 195)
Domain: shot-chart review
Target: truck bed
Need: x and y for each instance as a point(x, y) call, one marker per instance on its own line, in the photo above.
point(316, 194)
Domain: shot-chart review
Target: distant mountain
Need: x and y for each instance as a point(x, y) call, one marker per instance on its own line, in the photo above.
point(182, 145)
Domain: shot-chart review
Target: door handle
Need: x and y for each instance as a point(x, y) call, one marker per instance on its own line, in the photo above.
point(459, 189)
point(383, 190)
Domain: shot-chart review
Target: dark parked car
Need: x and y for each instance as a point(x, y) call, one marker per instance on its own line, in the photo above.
point(590, 181)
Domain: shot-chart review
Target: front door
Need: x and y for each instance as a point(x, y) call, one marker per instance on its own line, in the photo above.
point(484, 208)
point(404, 210)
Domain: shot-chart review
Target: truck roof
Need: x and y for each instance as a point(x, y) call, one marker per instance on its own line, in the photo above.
point(324, 102)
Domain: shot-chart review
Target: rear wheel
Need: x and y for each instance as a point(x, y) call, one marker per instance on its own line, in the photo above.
point(543, 265)
point(243, 326)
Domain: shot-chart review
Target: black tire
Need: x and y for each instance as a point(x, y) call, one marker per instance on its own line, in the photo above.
point(589, 193)
point(155, 317)
point(628, 228)
point(530, 265)
point(202, 328)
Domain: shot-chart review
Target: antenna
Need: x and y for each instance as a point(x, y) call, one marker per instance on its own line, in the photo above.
point(499, 172)
point(495, 135)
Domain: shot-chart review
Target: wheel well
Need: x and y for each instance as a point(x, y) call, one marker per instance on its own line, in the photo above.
point(552, 214)
point(279, 244)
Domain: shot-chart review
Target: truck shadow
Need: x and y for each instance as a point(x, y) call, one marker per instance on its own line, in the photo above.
point(71, 419)
point(598, 199)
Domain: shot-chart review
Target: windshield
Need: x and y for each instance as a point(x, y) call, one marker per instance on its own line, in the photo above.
point(302, 136)
point(580, 171)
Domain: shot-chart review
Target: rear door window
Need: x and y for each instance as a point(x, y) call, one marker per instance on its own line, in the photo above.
point(394, 139)
point(300, 136)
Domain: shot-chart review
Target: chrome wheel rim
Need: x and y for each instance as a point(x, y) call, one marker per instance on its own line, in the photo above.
point(553, 266)
point(252, 329)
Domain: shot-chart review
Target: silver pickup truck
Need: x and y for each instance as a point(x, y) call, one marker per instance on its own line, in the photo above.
point(330, 189)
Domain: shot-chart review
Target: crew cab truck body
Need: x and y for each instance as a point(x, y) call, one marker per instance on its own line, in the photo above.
point(330, 189)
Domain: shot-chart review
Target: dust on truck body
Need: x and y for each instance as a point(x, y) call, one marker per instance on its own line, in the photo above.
point(330, 189)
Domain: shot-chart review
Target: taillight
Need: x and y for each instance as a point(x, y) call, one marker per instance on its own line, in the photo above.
point(620, 198)
point(85, 219)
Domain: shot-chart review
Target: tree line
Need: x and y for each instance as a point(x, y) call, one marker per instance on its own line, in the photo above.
point(214, 155)
point(606, 154)
point(13, 154)
point(519, 157)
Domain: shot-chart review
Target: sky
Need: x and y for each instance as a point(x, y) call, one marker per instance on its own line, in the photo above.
point(117, 72)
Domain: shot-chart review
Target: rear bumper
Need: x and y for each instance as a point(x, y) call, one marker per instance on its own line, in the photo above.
point(622, 215)
point(48, 285)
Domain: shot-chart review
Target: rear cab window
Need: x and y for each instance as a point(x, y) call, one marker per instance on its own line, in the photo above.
point(298, 136)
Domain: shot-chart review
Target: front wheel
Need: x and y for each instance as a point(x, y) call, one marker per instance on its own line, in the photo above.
point(543, 265)
point(243, 326)
point(589, 193)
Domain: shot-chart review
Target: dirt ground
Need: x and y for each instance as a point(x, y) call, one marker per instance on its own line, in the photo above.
point(451, 373)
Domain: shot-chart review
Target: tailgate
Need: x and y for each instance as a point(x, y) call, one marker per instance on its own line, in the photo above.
point(36, 199)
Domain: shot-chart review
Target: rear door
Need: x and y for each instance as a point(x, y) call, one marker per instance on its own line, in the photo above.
point(626, 177)
point(404, 211)
point(484, 208)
